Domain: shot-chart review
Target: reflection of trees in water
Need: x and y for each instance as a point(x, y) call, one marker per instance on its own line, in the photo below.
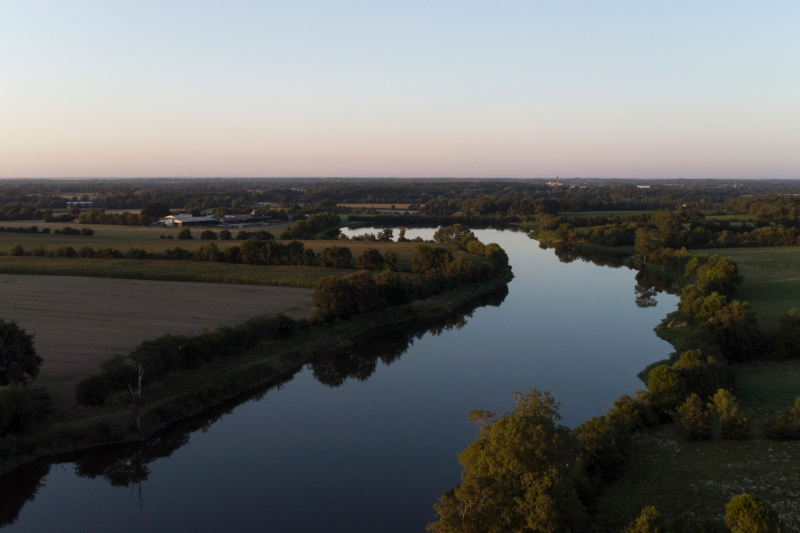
point(19, 486)
point(568, 252)
point(648, 283)
point(123, 465)
point(127, 465)
point(360, 360)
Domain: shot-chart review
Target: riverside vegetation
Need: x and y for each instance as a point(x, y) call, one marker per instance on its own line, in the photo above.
point(175, 367)
point(527, 473)
point(703, 387)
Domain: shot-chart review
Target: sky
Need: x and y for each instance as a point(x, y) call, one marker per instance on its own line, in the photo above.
point(400, 89)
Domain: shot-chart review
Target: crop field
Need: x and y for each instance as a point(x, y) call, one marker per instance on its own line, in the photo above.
point(108, 236)
point(79, 322)
point(195, 271)
point(771, 279)
point(677, 476)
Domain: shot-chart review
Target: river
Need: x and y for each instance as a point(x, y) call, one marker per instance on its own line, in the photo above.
point(367, 440)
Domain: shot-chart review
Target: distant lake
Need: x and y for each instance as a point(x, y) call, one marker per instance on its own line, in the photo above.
point(367, 440)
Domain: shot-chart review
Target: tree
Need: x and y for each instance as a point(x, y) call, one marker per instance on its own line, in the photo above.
point(517, 475)
point(185, 234)
point(208, 235)
point(694, 418)
point(370, 259)
point(746, 514)
point(785, 426)
point(647, 522)
point(155, 210)
point(390, 260)
point(225, 235)
point(648, 244)
point(726, 407)
point(787, 338)
point(17, 251)
point(386, 235)
point(18, 359)
point(665, 389)
point(454, 234)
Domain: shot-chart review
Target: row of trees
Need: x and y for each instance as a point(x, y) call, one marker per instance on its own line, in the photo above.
point(344, 297)
point(46, 231)
point(99, 216)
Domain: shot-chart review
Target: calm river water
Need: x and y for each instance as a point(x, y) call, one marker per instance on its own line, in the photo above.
point(364, 441)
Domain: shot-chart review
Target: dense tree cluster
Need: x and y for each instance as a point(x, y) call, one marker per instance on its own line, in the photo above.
point(343, 297)
point(309, 227)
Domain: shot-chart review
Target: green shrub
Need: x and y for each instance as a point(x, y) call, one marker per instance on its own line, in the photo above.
point(725, 406)
point(746, 514)
point(635, 414)
point(694, 418)
point(647, 522)
point(17, 250)
point(185, 234)
point(21, 406)
point(93, 390)
point(208, 235)
point(785, 426)
point(225, 235)
point(787, 337)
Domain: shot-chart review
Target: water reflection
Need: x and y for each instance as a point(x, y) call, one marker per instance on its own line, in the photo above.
point(127, 465)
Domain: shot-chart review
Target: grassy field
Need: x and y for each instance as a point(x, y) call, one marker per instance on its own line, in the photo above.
point(771, 279)
point(676, 475)
point(80, 322)
point(126, 237)
point(288, 276)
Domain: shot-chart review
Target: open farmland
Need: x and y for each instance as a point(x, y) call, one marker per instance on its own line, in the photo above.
point(124, 238)
point(110, 236)
point(80, 322)
point(154, 269)
point(771, 279)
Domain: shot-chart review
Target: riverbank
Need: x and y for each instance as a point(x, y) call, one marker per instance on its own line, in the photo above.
point(192, 392)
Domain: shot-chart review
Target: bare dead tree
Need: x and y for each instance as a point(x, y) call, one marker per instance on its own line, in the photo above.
point(134, 400)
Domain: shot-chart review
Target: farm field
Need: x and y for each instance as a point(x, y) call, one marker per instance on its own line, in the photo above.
point(771, 279)
point(80, 322)
point(195, 271)
point(108, 236)
point(677, 476)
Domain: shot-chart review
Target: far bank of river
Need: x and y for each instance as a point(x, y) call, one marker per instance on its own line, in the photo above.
point(365, 440)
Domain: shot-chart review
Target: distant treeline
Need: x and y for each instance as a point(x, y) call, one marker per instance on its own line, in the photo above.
point(46, 231)
point(250, 252)
point(683, 228)
point(495, 198)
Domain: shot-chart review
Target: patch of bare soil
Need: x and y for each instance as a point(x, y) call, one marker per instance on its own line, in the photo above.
point(80, 322)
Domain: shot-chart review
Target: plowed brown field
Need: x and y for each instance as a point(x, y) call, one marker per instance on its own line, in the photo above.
point(80, 322)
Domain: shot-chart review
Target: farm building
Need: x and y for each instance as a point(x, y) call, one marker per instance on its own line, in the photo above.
point(208, 220)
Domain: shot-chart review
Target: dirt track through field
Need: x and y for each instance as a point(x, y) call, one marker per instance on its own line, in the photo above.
point(80, 322)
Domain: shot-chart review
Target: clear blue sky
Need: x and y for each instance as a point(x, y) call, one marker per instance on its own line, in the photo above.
point(435, 88)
